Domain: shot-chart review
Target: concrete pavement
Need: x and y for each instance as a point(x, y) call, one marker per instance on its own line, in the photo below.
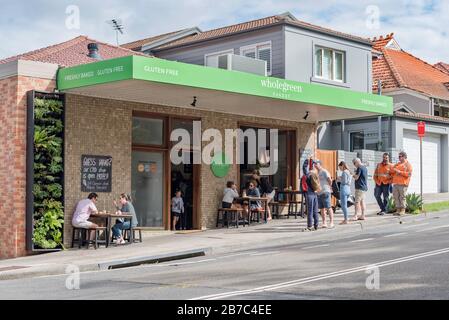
point(217, 241)
point(411, 259)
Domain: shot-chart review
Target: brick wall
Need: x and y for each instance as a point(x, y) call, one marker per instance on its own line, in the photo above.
point(13, 104)
point(103, 127)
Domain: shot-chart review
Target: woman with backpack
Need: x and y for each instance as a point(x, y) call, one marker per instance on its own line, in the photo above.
point(345, 189)
point(313, 186)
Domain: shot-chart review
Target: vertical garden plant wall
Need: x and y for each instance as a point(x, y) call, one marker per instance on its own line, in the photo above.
point(47, 171)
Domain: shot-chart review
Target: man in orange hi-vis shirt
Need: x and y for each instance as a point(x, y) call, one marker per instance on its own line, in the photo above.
point(401, 173)
point(382, 178)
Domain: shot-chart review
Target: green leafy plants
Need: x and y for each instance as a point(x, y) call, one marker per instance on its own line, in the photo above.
point(414, 203)
point(391, 206)
point(48, 173)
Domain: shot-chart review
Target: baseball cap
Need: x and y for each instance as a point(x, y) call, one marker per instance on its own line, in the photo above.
point(316, 161)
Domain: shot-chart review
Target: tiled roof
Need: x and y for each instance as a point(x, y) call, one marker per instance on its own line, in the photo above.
point(381, 42)
point(421, 116)
point(137, 45)
point(256, 24)
point(442, 66)
point(72, 52)
point(400, 69)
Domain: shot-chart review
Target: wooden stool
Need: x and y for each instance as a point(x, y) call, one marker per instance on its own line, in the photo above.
point(83, 236)
point(126, 234)
point(229, 215)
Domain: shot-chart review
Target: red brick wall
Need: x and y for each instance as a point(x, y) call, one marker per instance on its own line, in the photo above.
point(13, 104)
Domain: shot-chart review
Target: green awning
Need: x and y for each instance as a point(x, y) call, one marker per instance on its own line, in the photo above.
point(179, 75)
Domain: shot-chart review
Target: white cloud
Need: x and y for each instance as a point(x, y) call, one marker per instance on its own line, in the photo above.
point(420, 26)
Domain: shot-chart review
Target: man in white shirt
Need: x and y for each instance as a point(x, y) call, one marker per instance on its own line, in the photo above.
point(83, 210)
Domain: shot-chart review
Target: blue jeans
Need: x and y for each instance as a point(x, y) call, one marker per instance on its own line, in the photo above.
point(383, 189)
point(345, 191)
point(312, 210)
point(118, 227)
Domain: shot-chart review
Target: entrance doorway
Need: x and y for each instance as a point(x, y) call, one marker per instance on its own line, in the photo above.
point(185, 177)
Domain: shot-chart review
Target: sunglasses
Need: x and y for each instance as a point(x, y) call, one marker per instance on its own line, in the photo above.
point(401, 156)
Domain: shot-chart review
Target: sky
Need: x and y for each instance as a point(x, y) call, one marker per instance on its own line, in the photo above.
point(421, 27)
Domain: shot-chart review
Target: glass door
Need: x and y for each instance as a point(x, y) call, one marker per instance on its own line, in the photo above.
point(147, 187)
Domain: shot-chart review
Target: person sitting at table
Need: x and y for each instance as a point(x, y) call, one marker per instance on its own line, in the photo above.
point(84, 209)
point(253, 192)
point(229, 194)
point(268, 192)
point(128, 208)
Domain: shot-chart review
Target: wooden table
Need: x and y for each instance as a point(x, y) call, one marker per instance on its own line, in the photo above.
point(108, 219)
point(291, 199)
point(252, 199)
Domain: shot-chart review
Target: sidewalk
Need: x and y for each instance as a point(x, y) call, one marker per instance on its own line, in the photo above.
point(157, 244)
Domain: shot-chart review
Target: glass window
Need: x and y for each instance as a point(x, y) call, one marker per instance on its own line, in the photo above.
point(329, 64)
point(147, 187)
point(318, 62)
point(148, 131)
point(264, 53)
point(259, 51)
point(338, 66)
point(250, 53)
point(212, 59)
point(357, 141)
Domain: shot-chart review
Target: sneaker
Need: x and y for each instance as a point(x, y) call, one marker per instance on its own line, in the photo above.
point(331, 226)
point(382, 213)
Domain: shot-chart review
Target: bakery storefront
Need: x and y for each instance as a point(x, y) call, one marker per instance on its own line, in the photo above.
point(122, 119)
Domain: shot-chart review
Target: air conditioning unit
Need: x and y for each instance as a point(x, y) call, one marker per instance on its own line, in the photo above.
point(243, 64)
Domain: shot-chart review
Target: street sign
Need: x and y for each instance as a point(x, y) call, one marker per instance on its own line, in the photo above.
point(421, 129)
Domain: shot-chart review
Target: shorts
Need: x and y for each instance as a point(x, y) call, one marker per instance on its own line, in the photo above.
point(324, 200)
point(359, 195)
point(226, 205)
point(271, 195)
point(175, 214)
point(84, 224)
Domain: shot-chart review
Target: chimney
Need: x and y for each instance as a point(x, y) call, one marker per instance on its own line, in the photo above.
point(93, 51)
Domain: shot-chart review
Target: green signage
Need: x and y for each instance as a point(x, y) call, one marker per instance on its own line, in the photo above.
point(171, 72)
point(220, 165)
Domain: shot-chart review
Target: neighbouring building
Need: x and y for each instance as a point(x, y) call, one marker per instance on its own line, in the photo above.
point(420, 92)
point(122, 105)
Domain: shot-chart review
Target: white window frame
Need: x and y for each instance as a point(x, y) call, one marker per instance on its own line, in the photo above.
point(343, 64)
point(255, 47)
point(218, 54)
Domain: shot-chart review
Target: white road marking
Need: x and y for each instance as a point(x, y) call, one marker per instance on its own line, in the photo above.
point(363, 240)
point(237, 254)
point(433, 228)
point(322, 276)
point(395, 234)
point(182, 263)
point(317, 246)
point(264, 253)
point(416, 225)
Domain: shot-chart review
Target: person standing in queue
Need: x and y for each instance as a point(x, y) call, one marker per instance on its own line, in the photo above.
point(361, 186)
point(382, 178)
point(401, 173)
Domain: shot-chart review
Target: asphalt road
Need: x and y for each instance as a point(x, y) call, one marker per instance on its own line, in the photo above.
point(397, 261)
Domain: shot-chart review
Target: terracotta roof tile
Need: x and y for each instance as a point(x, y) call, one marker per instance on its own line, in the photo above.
point(381, 42)
point(442, 66)
point(421, 116)
point(400, 69)
point(255, 24)
point(137, 45)
point(72, 52)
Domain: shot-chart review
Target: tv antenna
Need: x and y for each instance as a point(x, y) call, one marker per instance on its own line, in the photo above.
point(117, 26)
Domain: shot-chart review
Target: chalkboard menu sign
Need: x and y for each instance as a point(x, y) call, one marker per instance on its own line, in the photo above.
point(96, 173)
